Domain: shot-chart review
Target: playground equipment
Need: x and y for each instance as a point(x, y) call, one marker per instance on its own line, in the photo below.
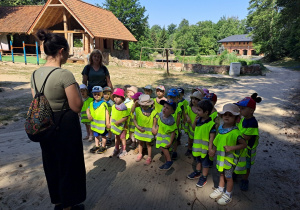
point(24, 50)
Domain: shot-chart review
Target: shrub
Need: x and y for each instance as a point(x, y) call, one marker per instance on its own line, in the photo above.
point(198, 59)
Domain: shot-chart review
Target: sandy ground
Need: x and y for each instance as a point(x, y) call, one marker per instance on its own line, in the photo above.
point(124, 184)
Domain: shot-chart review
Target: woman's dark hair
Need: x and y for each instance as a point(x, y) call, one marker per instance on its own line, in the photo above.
point(255, 98)
point(52, 42)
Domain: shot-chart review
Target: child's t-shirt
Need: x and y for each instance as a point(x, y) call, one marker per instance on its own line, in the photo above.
point(249, 127)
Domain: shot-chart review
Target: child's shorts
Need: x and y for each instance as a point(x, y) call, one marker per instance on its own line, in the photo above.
point(228, 173)
point(205, 162)
point(103, 134)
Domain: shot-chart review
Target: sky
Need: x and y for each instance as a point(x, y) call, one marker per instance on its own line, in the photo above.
point(165, 12)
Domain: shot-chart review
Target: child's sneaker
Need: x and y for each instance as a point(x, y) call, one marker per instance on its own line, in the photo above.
point(101, 150)
point(188, 152)
point(244, 185)
point(86, 138)
point(139, 157)
point(108, 142)
point(174, 155)
point(202, 181)
point(116, 152)
point(132, 145)
point(122, 154)
point(215, 194)
point(148, 161)
point(94, 149)
point(167, 165)
point(225, 199)
point(194, 175)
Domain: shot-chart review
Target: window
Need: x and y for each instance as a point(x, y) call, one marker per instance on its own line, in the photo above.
point(105, 43)
point(118, 45)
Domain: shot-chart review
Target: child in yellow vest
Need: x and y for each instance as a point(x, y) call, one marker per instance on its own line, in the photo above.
point(214, 114)
point(160, 95)
point(191, 113)
point(129, 92)
point(204, 135)
point(182, 103)
point(119, 116)
point(229, 147)
point(164, 127)
point(98, 114)
point(143, 120)
point(248, 125)
point(84, 119)
point(148, 90)
point(173, 95)
point(107, 98)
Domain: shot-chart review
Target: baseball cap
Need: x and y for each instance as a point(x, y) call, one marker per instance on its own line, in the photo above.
point(119, 92)
point(132, 88)
point(170, 102)
point(148, 87)
point(180, 90)
point(173, 92)
point(83, 86)
point(232, 108)
point(161, 87)
point(247, 102)
point(107, 89)
point(97, 89)
point(136, 96)
point(211, 96)
point(197, 95)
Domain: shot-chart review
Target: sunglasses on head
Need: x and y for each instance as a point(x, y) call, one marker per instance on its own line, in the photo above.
point(96, 94)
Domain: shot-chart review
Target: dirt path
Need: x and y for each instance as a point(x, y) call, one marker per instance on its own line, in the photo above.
point(125, 184)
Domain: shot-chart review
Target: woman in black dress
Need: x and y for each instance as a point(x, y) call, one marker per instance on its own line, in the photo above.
point(62, 155)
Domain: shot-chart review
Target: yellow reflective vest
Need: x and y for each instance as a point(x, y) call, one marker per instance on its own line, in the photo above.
point(164, 133)
point(146, 122)
point(192, 115)
point(251, 151)
point(130, 122)
point(86, 104)
point(157, 106)
point(183, 104)
point(98, 123)
point(115, 116)
point(201, 139)
point(226, 160)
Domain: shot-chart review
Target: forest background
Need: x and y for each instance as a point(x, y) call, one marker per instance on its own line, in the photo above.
point(273, 24)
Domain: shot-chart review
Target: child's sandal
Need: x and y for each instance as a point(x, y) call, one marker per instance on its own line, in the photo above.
point(139, 157)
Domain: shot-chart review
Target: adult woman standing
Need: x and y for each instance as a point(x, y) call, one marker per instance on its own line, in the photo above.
point(62, 155)
point(96, 74)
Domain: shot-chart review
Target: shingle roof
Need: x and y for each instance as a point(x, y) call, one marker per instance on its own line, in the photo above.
point(237, 38)
point(100, 22)
point(18, 19)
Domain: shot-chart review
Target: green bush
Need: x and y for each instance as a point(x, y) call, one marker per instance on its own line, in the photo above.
point(244, 63)
point(198, 59)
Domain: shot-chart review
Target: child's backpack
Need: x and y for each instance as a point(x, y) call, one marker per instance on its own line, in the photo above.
point(39, 122)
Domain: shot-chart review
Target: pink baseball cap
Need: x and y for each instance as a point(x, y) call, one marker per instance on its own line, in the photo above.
point(161, 87)
point(118, 92)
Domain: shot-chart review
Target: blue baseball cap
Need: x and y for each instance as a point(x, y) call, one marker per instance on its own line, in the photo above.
point(247, 102)
point(97, 89)
point(173, 92)
point(211, 97)
point(170, 102)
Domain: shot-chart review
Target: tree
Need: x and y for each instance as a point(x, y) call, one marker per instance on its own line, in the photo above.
point(171, 28)
point(162, 40)
point(21, 2)
point(230, 26)
point(131, 14)
point(263, 19)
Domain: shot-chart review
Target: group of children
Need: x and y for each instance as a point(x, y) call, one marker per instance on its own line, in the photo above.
point(228, 137)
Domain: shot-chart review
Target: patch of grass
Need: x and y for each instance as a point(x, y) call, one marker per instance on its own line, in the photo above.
point(287, 63)
point(17, 58)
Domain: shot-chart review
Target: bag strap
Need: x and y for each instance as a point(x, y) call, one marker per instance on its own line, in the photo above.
point(43, 86)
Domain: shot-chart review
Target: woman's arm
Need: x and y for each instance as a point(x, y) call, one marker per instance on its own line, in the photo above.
point(74, 97)
point(109, 84)
point(84, 79)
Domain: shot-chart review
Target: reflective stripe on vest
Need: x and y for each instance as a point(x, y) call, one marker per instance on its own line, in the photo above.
point(226, 160)
point(117, 115)
point(98, 123)
point(164, 133)
point(146, 122)
point(201, 139)
point(86, 104)
point(251, 150)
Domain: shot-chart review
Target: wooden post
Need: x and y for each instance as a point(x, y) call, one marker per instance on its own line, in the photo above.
point(65, 21)
point(167, 62)
point(141, 57)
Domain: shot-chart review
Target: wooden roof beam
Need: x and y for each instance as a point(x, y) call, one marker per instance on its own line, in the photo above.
point(55, 5)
